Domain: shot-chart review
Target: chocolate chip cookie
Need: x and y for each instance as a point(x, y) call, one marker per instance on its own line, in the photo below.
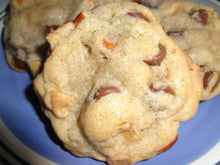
point(196, 29)
point(27, 24)
point(115, 86)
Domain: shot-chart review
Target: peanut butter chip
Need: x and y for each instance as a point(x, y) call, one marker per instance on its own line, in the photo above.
point(131, 135)
point(200, 16)
point(78, 19)
point(60, 100)
point(124, 126)
point(157, 59)
point(20, 2)
point(169, 146)
point(105, 91)
point(108, 44)
point(137, 14)
point(34, 66)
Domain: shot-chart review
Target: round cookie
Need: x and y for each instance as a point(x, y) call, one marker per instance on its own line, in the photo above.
point(196, 29)
point(27, 24)
point(115, 87)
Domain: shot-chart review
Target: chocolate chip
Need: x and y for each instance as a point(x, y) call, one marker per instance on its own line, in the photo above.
point(19, 64)
point(157, 59)
point(166, 89)
point(138, 14)
point(103, 91)
point(175, 34)
point(137, 1)
point(206, 79)
point(52, 28)
point(200, 16)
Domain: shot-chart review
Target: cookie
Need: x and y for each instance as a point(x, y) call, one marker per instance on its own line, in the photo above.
point(196, 29)
point(27, 24)
point(115, 86)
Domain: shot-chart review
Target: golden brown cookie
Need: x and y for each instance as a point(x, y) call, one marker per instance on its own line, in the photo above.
point(196, 29)
point(115, 86)
point(29, 21)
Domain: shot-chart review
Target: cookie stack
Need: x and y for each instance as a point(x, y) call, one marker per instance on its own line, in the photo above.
point(114, 81)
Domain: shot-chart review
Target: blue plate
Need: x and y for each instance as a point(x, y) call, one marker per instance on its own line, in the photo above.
point(21, 113)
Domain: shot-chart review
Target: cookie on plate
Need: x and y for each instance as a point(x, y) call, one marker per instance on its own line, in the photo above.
point(27, 24)
point(115, 86)
point(196, 29)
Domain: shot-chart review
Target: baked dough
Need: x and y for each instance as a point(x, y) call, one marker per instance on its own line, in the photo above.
point(196, 29)
point(27, 24)
point(115, 86)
